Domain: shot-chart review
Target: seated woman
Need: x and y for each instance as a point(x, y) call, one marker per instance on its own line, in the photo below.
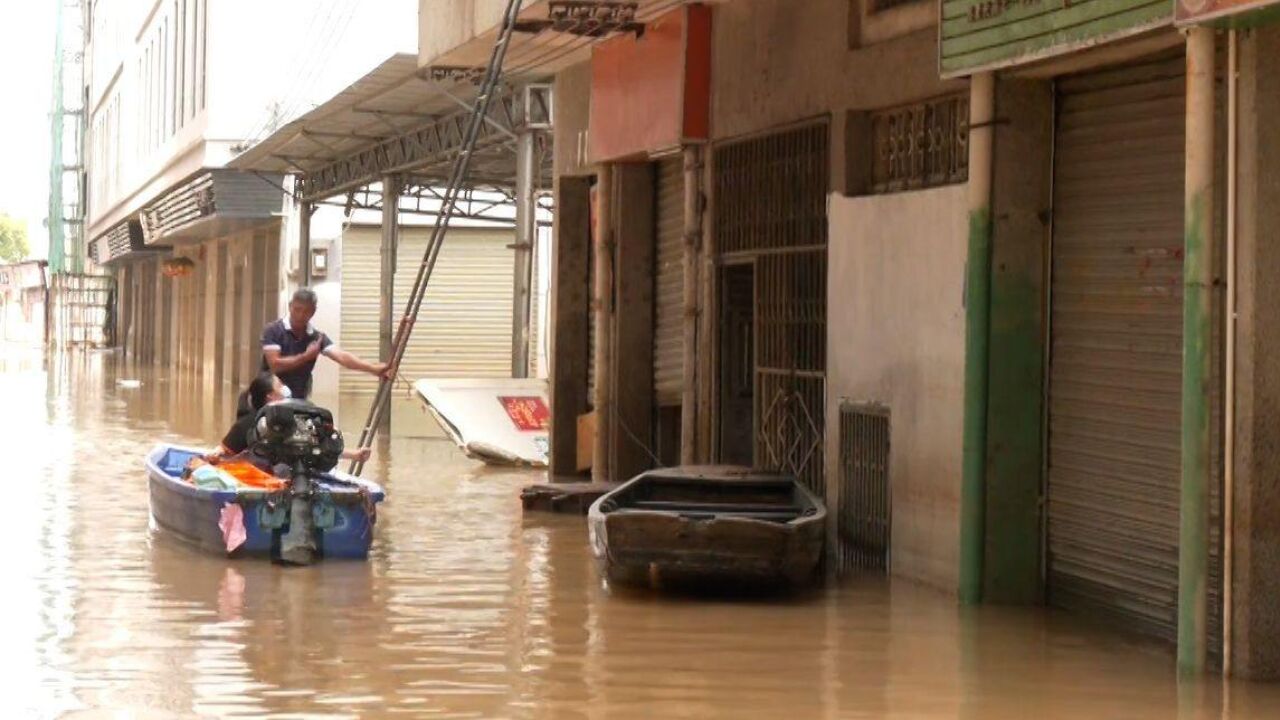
point(263, 390)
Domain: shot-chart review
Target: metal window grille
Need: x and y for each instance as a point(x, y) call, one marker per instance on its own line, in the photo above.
point(920, 146)
point(771, 192)
point(864, 509)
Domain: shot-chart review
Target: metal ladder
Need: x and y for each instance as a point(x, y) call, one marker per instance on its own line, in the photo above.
point(461, 165)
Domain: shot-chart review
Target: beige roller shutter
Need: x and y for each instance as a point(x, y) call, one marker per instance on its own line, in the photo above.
point(464, 329)
point(668, 334)
point(537, 361)
point(1116, 348)
point(535, 306)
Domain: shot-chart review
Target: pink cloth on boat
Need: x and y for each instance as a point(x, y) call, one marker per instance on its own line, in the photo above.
point(232, 524)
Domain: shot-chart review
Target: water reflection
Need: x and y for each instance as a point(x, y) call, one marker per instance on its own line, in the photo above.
point(466, 608)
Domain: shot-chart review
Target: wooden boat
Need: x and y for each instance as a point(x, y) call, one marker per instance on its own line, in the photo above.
point(709, 525)
point(343, 515)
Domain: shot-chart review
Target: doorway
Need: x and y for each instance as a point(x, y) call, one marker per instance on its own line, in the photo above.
point(737, 365)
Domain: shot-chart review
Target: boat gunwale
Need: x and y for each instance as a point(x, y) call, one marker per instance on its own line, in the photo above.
point(158, 475)
point(598, 513)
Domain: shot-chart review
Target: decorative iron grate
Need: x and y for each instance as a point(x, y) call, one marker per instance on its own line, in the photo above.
point(920, 146)
point(791, 438)
point(864, 510)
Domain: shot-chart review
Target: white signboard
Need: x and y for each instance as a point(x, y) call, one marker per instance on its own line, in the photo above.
point(499, 421)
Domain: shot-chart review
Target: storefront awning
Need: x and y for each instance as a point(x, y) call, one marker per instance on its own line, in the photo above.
point(399, 119)
point(410, 120)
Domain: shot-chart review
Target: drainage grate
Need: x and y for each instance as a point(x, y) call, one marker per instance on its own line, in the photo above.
point(864, 507)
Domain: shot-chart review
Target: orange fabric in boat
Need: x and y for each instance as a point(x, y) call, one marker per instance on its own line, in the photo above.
point(248, 475)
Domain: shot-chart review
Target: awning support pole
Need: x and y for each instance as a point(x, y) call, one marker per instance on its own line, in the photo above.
point(305, 208)
point(391, 187)
point(1197, 335)
point(526, 209)
point(973, 497)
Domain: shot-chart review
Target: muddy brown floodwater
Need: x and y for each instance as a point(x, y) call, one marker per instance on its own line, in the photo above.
point(466, 608)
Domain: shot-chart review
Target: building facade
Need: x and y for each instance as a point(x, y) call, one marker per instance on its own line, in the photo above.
point(175, 89)
point(992, 291)
point(24, 294)
point(997, 293)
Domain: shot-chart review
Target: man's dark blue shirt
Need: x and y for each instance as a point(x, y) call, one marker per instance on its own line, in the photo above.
point(279, 336)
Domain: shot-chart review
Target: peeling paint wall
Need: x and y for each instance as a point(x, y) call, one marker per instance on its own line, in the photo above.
point(895, 336)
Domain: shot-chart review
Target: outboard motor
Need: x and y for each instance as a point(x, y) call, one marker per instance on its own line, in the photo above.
point(300, 440)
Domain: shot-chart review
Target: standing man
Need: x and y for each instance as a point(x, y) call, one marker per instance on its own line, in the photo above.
point(291, 345)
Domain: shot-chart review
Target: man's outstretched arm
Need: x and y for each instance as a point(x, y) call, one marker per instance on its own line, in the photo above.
point(351, 362)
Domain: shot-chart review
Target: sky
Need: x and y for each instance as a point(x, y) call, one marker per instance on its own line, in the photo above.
point(26, 79)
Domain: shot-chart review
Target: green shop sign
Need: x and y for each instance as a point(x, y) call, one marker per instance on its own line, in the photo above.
point(986, 34)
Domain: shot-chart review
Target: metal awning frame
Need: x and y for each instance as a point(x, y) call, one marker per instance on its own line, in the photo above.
point(426, 152)
point(425, 155)
point(487, 203)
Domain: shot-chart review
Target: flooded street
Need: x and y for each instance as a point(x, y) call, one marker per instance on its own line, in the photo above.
point(466, 608)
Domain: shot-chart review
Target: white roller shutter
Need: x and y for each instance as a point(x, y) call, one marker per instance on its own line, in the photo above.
point(464, 329)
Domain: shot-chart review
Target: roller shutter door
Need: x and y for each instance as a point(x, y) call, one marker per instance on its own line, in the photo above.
point(464, 329)
point(668, 335)
point(1116, 349)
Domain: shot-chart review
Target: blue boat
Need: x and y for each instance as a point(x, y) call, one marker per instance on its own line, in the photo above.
point(343, 514)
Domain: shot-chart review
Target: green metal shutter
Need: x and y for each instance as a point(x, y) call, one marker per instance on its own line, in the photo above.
point(1116, 348)
point(464, 329)
point(668, 335)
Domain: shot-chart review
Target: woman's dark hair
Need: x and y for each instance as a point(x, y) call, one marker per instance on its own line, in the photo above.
point(259, 389)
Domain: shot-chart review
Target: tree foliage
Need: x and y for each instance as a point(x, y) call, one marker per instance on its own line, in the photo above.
point(14, 246)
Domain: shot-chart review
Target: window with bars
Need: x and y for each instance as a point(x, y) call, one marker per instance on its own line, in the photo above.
point(920, 146)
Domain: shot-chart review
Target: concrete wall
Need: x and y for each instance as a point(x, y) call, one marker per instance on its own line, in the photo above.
point(573, 113)
point(569, 321)
point(1020, 205)
point(778, 61)
point(1256, 647)
point(328, 318)
point(896, 336)
point(446, 24)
